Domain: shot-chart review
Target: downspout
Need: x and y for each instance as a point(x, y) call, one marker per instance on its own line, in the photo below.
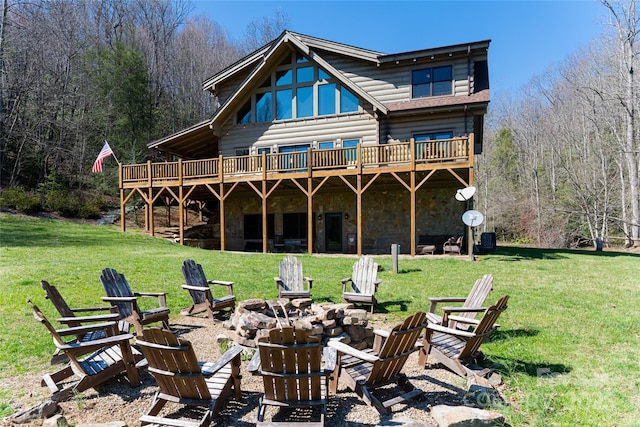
point(468, 70)
point(466, 117)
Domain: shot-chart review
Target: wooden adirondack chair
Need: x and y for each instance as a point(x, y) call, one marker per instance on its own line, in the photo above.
point(120, 295)
point(291, 283)
point(70, 319)
point(364, 283)
point(183, 380)
point(471, 303)
point(453, 347)
point(291, 365)
point(201, 294)
point(109, 357)
point(365, 371)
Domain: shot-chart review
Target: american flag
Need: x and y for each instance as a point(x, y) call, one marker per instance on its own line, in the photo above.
point(104, 153)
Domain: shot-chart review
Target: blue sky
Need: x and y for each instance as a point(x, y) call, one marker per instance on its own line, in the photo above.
point(527, 37)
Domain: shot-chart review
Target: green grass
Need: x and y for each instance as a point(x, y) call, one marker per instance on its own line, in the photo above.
point(569, 342)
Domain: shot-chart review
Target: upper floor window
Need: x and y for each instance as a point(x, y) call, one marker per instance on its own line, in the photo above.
point(434, 81)
point(297, 89)
point(433, 136)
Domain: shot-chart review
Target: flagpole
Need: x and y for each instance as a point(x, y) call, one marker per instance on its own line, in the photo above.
point(112, 152)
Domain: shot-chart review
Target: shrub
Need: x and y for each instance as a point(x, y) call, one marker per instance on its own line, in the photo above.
point(56, 200)
point(20, 199)
point(91, 208)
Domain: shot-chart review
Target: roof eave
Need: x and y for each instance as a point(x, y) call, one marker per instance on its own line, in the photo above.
point(463, 48)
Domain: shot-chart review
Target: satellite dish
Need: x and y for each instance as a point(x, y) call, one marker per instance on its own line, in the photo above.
point(472, 218)
point(464, 194)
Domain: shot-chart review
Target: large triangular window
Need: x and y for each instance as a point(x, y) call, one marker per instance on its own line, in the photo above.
point(297, 89)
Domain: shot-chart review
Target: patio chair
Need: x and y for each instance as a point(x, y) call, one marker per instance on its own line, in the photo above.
point(201, 293)
point(366, 371)
point(120, 295)
point(184, 380)
point(455, 348)
point(453, 246)
point(291, 365)
point(363, 283)
point(477, 295)
point(109, 357)
point(70, 319)
point(291, 283)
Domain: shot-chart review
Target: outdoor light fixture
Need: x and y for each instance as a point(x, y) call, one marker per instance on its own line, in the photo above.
point(346, 215)
point(319, 217)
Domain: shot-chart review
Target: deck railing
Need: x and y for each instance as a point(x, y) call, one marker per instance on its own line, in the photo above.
point(368, 156)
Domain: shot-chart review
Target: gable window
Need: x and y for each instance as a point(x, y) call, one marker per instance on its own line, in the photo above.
point(297, 89)
point(283, 104)
point(327, 99)
point(434, 81)
point(304, 101)
point(263, 107)
point(348, 101)
point(244, 114)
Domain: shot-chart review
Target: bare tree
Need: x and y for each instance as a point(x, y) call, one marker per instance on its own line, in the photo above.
point(625, 21)
point(259, 33)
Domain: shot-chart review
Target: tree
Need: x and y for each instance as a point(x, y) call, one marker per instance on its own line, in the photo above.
point(625, 22)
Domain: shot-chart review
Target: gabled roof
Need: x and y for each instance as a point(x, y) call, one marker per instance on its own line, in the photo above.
point(310, 42)
point(199, 141)
point(267, 55)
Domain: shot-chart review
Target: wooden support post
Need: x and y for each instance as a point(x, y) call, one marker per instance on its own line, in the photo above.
point(151, 220)
point(265, 236)
point(471, 162)
point(181, 201)
point(359, 212)
point(412, 190)
point(167, 203)
point(123, 219)
point(222, 196)
point(310, 216)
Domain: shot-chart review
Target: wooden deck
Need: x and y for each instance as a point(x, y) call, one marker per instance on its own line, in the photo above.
point(373, 159)
point(306, 170)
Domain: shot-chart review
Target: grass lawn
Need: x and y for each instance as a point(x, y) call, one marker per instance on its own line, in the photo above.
point(569, 343)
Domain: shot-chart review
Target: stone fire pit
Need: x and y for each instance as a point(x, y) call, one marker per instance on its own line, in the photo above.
point(253, 318)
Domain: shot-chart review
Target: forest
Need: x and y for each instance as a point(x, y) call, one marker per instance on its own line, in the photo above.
point(560, 166)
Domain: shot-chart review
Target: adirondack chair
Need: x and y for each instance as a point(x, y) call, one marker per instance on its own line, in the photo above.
point(201, 294)
point(70, 319)
point(291, 283)
point(109, 357)
point(120, 295)
point(365, 371)
point(364, 283)
point(454, 348)
point(291, 365)
point(475, 299)
point(185, 381)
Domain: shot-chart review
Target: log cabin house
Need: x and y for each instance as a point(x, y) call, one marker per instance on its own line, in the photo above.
point(318, 146)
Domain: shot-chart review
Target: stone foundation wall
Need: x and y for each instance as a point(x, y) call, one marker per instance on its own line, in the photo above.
point(386, 215)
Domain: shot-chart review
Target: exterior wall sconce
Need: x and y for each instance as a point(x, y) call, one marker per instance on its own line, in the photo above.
point(346, 215)
point(319, 217)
